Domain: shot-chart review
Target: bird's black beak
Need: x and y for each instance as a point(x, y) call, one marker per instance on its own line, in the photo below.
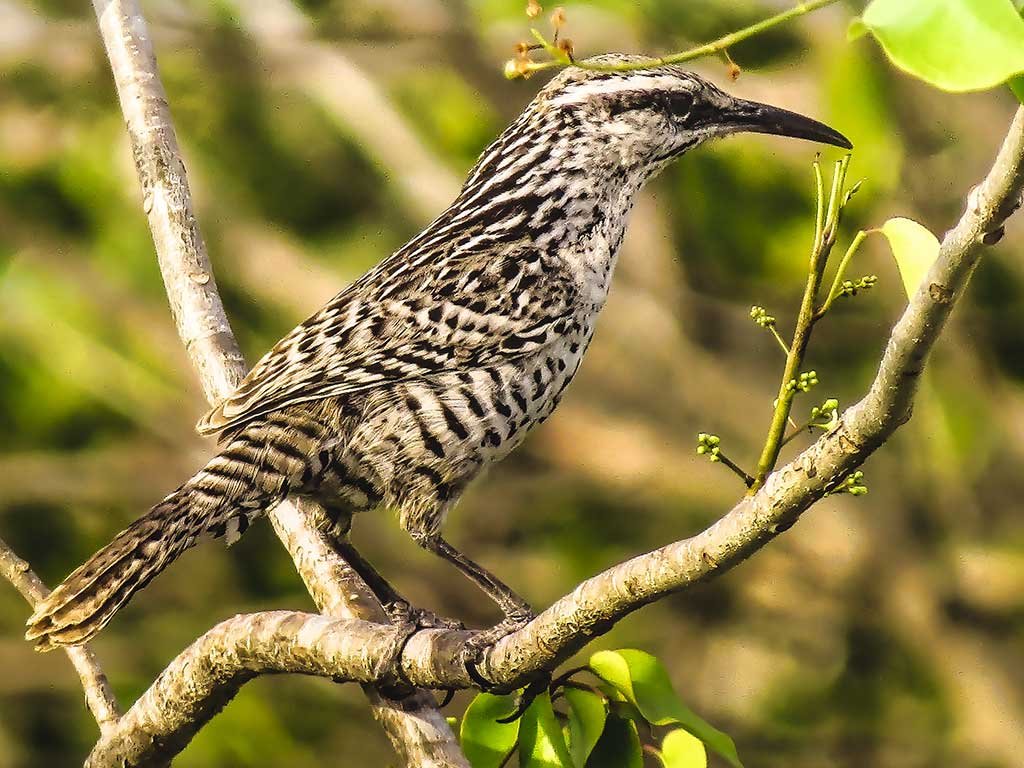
point(749, 116)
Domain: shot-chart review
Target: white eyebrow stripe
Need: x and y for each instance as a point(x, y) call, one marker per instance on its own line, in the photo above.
point(580, 92)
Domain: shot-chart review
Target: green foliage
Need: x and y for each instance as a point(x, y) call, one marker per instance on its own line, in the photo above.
point(587, 715)
point(601, 722)
point(644, 682)
point(541, 741)
point(956, 45)
point(913, 247)
point(485, 741)
point(681, 749)
point(619, 745)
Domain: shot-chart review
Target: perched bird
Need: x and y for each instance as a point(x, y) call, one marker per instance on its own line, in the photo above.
point(439, 360)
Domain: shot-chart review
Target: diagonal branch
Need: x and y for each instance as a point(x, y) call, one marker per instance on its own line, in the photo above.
point(98, 697)
point(241, 648)
point(415, 726)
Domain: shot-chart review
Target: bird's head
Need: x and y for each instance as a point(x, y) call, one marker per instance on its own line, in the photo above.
point(646, 117)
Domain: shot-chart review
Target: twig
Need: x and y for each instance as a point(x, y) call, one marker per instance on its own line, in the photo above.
point(819, 208)
point(237, 650)
point(778, 337)
point(837, 281)
point(562, 58)
point(98, 697)
point(736, 469)
point(416, 728)
point(826, 231)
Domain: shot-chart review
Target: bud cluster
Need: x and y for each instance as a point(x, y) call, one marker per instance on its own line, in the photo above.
point(807, 380)
point(826, 410)
point(852, 484)
point(708, 445)
point(761, 317)
point(522, 65)
point(851, 287)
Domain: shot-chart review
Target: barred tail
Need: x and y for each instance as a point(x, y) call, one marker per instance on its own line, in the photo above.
point(253, 473)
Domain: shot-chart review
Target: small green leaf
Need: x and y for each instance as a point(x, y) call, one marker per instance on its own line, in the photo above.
point(486, 742)
point(587, 714)
point(956, 45)
point(1017, 86)
point(914, 248)
point(618, 747)
point(856, 29)
point(681, 749)
point(541, 743)
point(642, 679)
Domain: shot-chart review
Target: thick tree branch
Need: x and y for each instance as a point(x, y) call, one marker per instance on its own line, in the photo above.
point(415, 726)
point(98, 696)
point(358, 651)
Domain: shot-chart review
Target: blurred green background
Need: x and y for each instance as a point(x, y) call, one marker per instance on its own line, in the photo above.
point(319, 136)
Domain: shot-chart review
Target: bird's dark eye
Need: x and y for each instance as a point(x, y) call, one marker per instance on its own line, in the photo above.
point(679, 103)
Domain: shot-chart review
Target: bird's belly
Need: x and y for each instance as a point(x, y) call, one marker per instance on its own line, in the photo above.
point(432, 437)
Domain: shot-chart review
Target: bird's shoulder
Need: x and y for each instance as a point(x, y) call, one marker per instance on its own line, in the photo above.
point(416, 314)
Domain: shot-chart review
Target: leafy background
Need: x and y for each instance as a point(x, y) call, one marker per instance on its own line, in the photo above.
point(882, 631)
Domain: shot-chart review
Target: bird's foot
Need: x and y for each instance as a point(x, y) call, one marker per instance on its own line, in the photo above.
point(409, 620)
point(475, 648)
point(401, 612)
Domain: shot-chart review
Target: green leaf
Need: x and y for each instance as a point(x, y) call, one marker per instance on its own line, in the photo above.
point(956, 45)
point(587, 715)
point(1017, 86)
point(541, 743)
point(913, 247)
point(618, 747)
point(642, 679)
point(856, 29)
point(486, 742)
point(681, 749)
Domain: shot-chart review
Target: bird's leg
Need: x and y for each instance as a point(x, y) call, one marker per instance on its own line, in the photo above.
point(398, 609)
point(337, 526)
point(389, 597)
point(517, 611)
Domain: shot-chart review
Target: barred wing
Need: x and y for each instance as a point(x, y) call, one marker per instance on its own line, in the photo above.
point(407, 320)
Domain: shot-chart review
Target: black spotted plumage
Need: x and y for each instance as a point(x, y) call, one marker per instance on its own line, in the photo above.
point(438, 361)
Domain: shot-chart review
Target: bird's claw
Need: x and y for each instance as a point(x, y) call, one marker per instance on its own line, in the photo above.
point(411, 620)
point(526, 698)
point(402, 613)
point(473, 651)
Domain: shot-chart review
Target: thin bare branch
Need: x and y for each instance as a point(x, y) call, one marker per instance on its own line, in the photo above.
point(415, 726)
point(98, 696)
point(562, 57)
point(241, 648)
